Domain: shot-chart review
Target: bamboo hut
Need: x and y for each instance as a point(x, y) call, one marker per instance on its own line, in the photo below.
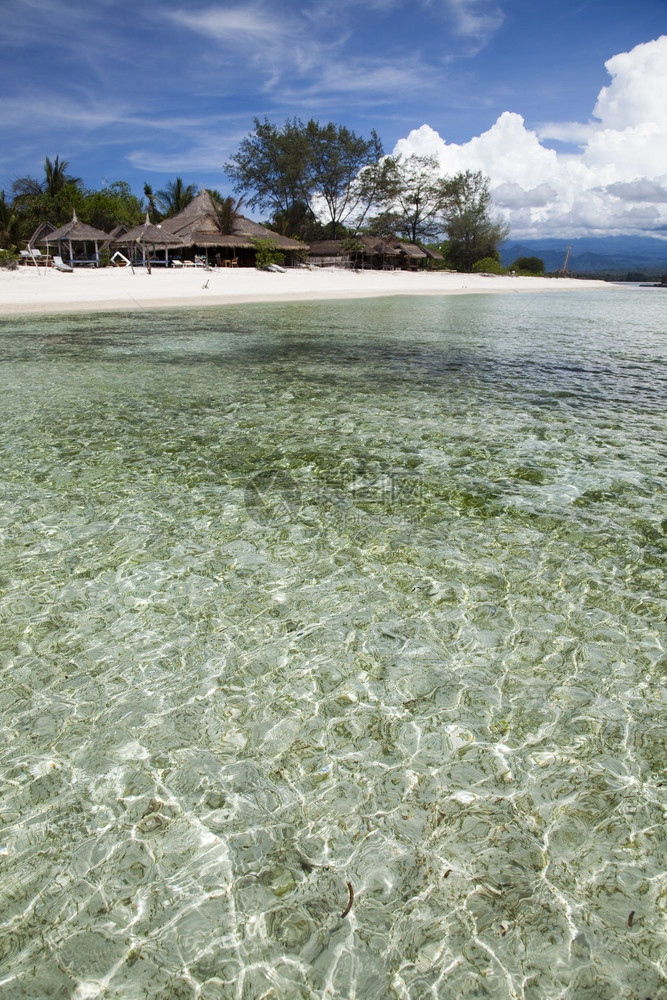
point(77, 232)
point(201, 229)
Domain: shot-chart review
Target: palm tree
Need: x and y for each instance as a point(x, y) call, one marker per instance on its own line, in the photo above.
point(175, 196)
point(28, 189)
point(53, 198)
point(226, 209)
point(9, 224)
point(155, 213)
point(56, 178)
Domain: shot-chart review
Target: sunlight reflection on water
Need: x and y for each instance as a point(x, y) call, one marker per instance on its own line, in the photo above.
point(308, 597)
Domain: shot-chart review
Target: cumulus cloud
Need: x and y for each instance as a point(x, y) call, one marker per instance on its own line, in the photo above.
point(615, 184)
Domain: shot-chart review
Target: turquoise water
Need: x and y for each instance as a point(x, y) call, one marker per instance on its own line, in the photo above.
point(319, 604)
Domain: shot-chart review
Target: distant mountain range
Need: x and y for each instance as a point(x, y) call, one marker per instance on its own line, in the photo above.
point(630, 257)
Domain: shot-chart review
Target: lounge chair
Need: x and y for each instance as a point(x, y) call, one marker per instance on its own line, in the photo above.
point(60, 265)
point(32, 256)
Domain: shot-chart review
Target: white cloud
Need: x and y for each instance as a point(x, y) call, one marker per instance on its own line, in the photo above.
point(616, 184)
point(475, 18)
point(636, 94)
point(235, 24)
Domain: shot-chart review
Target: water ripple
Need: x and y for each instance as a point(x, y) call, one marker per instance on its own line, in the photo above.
point(333, 651)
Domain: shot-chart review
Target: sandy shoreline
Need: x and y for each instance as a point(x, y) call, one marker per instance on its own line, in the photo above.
point(32, 290)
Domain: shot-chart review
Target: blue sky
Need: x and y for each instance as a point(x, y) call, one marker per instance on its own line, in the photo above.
point(146, 91)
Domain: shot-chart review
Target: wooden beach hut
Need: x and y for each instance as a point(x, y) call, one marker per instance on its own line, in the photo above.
point(149, 239)
point(367, 252)
point(412, 257)
point(77, 232)
point(202, 229)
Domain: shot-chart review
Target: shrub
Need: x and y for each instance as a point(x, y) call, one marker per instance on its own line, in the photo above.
point(266, 253)
point(528, 265)
point(488, 265)
point(9, 259)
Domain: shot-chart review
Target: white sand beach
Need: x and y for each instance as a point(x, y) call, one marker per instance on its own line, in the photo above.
point(46, 290)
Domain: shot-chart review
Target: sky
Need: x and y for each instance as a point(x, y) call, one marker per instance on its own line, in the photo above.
point(562, 104)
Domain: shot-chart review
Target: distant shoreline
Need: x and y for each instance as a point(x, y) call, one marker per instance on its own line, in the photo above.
point(29, 290)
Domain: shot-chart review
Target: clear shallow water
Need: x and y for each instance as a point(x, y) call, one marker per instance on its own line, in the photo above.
point(301, 597)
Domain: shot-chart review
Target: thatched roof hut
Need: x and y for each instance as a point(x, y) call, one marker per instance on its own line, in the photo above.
point(200, 225)
point(357, 251)
point(149, 235)
point(43, 229)
point(77, 232)
point(114, 235)
point(371, 252)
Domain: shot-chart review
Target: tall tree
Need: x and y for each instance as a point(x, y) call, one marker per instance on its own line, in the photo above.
point(273, 166)
point(56, 178)
point(9, 224)
point(337, 157)
point(54, 197)
point(472, 232)
point(155, 213)
point(298, 171)
point(411, 192)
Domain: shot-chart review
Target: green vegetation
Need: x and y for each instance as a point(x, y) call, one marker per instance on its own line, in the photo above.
point(292, 168)
point(9, 259)
point(113, 206)
point(411, 190)
point(267, 253)
point(472, 233)
point(287, 169)
point(528, 265)
point(317, 181)
point(488, 265)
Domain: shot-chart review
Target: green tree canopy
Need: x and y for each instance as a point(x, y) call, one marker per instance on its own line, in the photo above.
point(174, 197)
point(53, 198)
point(337, 157)
point(487, 265)
point(272, 165)
point(411, 192)
point(283, 170)
point(114, 205)
point(530, 265)
point(10, 224)
point(472, 232)
point(227, 209)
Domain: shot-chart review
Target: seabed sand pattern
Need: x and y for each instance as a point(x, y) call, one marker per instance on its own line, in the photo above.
point(44, 290)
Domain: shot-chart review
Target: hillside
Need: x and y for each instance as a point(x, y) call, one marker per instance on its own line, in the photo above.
point(621, 256)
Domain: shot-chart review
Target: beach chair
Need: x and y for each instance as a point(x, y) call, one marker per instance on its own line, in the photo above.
point(32, 256)
point(60, 265)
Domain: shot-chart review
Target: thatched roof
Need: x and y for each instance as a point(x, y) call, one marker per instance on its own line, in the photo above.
point(327, 248)
point(336, 248)
point(148, 233)
point(75, 231)
point(43, 229)
point(198, 225)
point(412, 250)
